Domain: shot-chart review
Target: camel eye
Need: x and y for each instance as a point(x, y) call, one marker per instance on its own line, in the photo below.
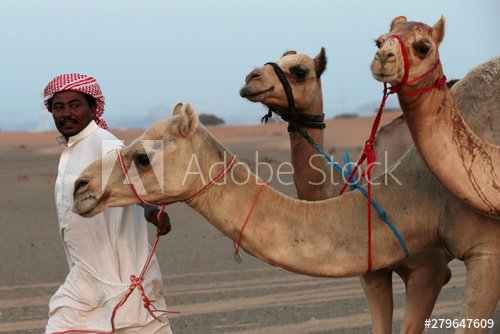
point(378, 43)
point(422, 48)
point(142, 160)
point(299, 72)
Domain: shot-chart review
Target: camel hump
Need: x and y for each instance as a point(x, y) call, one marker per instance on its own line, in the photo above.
point(475, 95)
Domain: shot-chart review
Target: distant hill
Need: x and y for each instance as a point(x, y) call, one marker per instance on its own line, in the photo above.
point(346, 115)
point(370, 108)
point(209, 119)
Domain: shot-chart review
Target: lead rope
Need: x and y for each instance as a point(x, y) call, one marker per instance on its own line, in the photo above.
point(237, 245)
point(294, 126)
point(369, 155)
point(136, 282)
point(368, 151)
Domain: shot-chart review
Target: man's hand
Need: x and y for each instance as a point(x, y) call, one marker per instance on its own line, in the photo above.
point(163, 224)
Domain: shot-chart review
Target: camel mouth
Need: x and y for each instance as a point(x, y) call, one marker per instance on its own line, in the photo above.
point(384, 77)
point(84, 206)
point(385, 72)
point(247, 93)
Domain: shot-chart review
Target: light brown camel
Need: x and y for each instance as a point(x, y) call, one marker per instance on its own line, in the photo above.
point(466, 164)
point(304, 74)
point(314, 238)
point(424, 274)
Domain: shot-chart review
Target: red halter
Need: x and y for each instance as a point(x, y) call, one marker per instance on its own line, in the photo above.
point(187, 200)
point(404, 80)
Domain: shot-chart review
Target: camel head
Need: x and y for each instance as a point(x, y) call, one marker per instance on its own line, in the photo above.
point(303, 73)
point(421, 43)
point(159, 163)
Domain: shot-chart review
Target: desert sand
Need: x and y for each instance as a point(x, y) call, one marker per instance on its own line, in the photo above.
point(213, 293)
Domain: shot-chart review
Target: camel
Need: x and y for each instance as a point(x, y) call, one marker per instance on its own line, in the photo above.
point(466, 163)
point(303, 73)
point(313, 238)
point(424, 274)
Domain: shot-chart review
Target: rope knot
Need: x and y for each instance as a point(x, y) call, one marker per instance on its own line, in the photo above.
point(135, 281)
point(442, 81)
point(369, 153)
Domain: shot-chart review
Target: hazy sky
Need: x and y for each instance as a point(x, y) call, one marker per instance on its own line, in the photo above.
point(151, 54)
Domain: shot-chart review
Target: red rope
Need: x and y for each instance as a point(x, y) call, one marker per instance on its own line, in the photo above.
point(368, 151)
point(404, 80)
point(187, 200)
point(368, 172)
point(208, 185)
point(369, 155)
point(438, 83)
point(136, 282)
point(254, 204)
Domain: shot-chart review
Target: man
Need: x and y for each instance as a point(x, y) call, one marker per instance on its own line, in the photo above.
point(105, 250)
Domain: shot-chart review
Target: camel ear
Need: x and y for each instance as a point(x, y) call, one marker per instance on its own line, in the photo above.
point(320, 61)
point(289, 52)
point(188, 120)
point(438, 31)
point(177, 109)
point(398, 20)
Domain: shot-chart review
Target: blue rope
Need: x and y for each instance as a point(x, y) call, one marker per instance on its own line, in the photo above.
point(382, 214)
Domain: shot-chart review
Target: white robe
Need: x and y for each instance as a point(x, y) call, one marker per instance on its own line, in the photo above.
point(102, 251)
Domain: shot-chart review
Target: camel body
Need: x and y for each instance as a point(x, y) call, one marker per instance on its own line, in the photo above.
point(314, 238)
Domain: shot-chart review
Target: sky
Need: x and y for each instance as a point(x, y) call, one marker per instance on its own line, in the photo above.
point(148, 55)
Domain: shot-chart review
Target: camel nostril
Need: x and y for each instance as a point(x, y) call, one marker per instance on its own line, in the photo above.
point(256, 75)
point(253, 76)
point(80, 185)
point(385, 56)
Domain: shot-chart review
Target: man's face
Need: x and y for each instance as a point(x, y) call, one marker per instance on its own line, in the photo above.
point(71, 112)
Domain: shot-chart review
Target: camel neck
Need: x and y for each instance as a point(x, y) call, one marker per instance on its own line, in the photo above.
point(314, 178)
point(326, 238)
point(311, 172)
point(462, 162)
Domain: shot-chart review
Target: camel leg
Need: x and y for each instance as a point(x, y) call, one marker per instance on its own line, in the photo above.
point(424, 275)
point(482, 289)
point(378, 290)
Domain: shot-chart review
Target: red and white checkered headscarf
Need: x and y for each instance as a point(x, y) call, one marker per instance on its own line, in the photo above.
point(78, 83)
